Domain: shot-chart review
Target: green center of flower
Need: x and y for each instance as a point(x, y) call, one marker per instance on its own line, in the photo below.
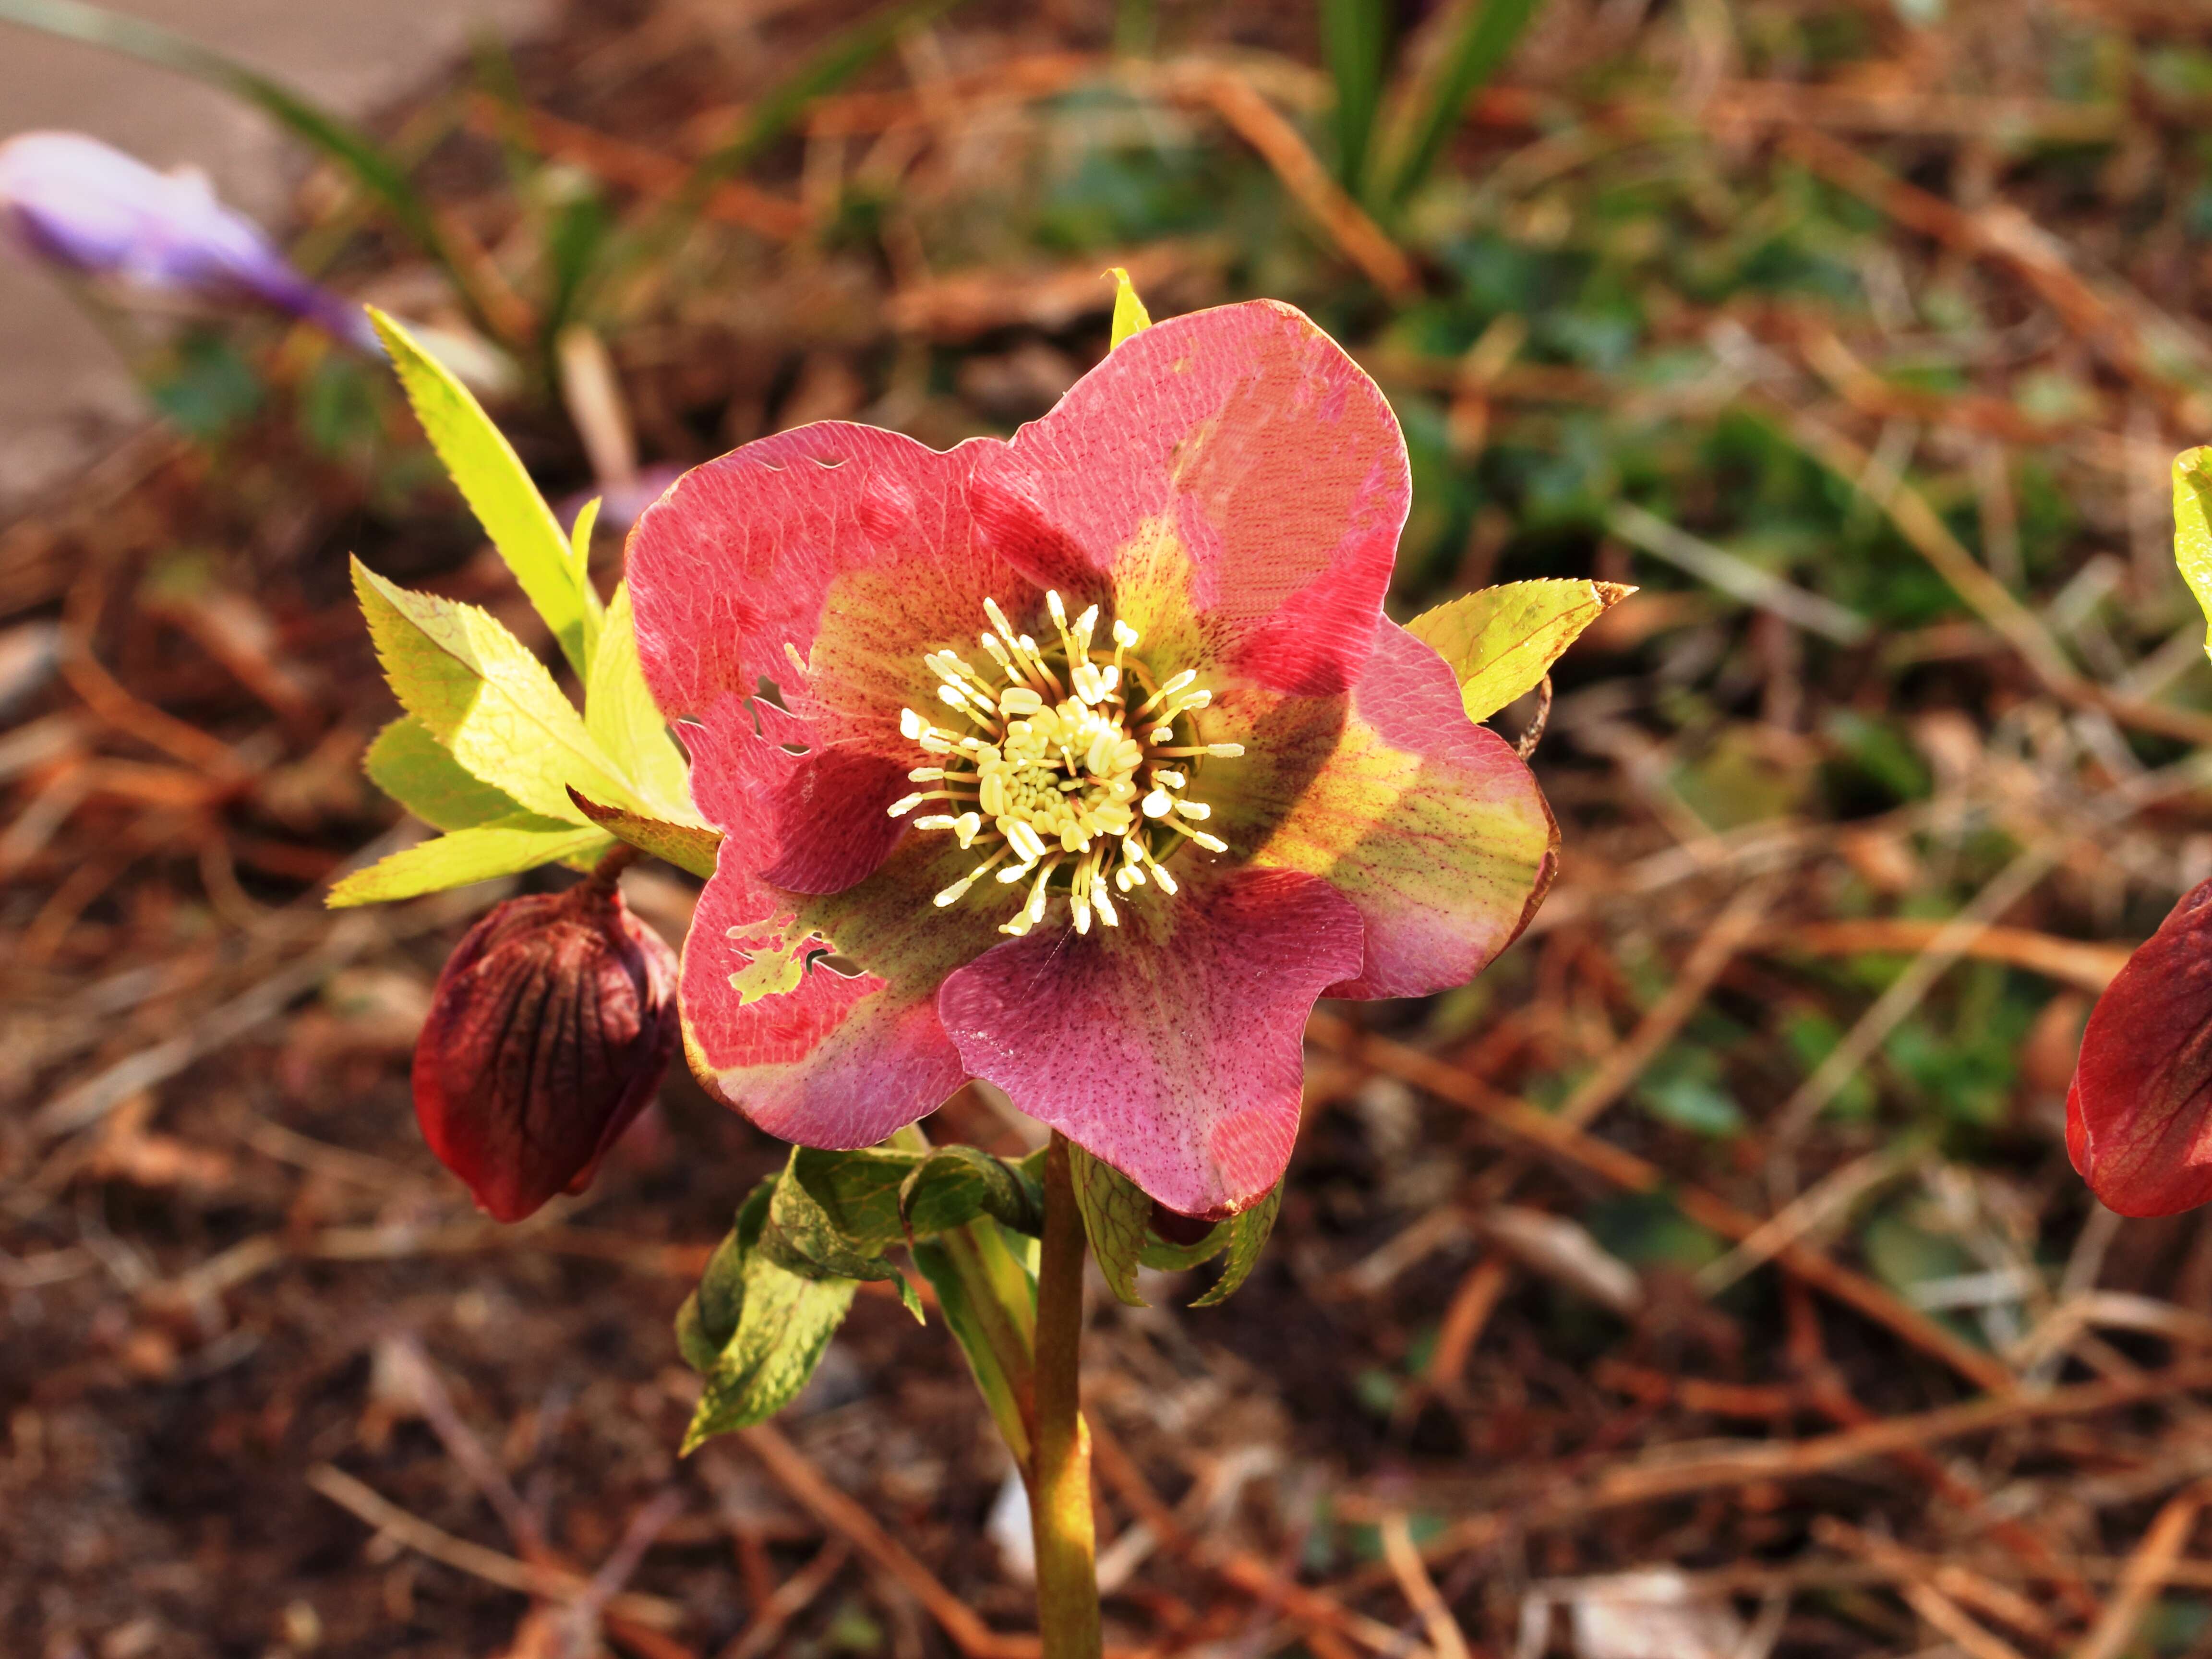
point(1071, 769)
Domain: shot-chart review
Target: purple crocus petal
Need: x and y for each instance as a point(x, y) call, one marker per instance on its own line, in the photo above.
point(91, 208)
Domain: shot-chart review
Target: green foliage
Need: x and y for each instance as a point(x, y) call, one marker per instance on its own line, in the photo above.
point(479, 854)
point(420, 773)
point(784, 1325)
point(491, 478)
point(207, 388)
point(833, 1215)
point(1501, 641)
point(1115, 1217)
point(620, 713)
point(954, 1185)
point(2192, 531)
point(477, 690)
point(1247, 1236)
point(1130, 316)
point(686, 845)
point(1355, 43)
point(1487, 32)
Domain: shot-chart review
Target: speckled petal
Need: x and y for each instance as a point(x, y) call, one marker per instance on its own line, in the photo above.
point(1169, 1046)
point(1429, 824)
point(1231, 472)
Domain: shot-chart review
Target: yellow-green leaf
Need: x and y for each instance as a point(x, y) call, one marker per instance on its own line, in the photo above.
point(1115, 1214)
point(1130, 316)
point(619, 712)
point(420, 773)
point(1248, 1233)
point(505, 848)
point(477, 690)
point(2192, 529)
point(1501, 641)
point(687, 846)
point(491, 478)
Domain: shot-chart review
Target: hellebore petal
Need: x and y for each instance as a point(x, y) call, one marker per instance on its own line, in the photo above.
point(1233, 465)
point(92, 209)
point(2139, 1115)
point(550, 1028)
point(732, 572)
point(1171, 1046)
point(810, 971)
point(1429, 824)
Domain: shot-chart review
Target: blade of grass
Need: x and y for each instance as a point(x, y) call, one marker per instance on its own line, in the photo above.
point(1355, 39)
point(334, 137)
point(1486, 36)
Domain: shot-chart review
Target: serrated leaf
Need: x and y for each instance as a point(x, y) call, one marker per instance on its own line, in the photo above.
point(686, 845)
point(420, 773)
point(1116, 1212)
point(1130, 316)
point(620, 713)
point(491, 478)
point(1248, 1236)
point(709, 1315)
point(1164, 1257)
point(478, 853)
point(479, 691)
point(786, 1323)
point(1501, 641)
point(834, 1213)
point(2192, 526)
point(953, 1185)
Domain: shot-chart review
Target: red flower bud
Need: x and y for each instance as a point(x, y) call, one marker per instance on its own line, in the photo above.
point(2139, 1115)
point(551, 1026)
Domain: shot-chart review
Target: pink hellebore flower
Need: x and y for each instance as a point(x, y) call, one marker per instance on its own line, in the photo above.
point(92, 209)
point(2139, 1115)
point(1090, 761)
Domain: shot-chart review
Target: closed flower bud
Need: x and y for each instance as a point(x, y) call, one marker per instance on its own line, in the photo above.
point(99, 213)
point(552, 1027)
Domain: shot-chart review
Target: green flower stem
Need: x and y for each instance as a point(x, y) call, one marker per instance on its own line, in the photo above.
point(1060, 1495)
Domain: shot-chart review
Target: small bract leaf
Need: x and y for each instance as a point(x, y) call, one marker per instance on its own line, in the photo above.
point(1164, 1257)
point(619, 712)
point(479, 691)
point(2192, 529)
point(1130, 316)
point(834, 1213)
point(506, 847)
point(1501, 641)
point(786, 1324)
point(1115, 1212)
point(498, 491)
point(687, 846)
point(955, 1184)
point(420, 773)
point(708, 1317)
point(1248, 1236)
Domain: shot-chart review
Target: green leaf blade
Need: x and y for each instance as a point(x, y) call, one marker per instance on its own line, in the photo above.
point(688, 847)
point(2192, 526)
point(477, 690)
point(1501, 641)
point(491, 478)
point(1116, 1214)
point(620, 713)
point(420, 773)
point(1130, 316)
point(1247, 1236)
point(480, 853)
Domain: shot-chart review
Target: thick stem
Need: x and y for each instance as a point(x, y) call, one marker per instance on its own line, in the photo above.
point(1060, 1498)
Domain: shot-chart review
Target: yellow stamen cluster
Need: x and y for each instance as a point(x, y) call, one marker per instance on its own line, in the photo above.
point(1075, 765)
